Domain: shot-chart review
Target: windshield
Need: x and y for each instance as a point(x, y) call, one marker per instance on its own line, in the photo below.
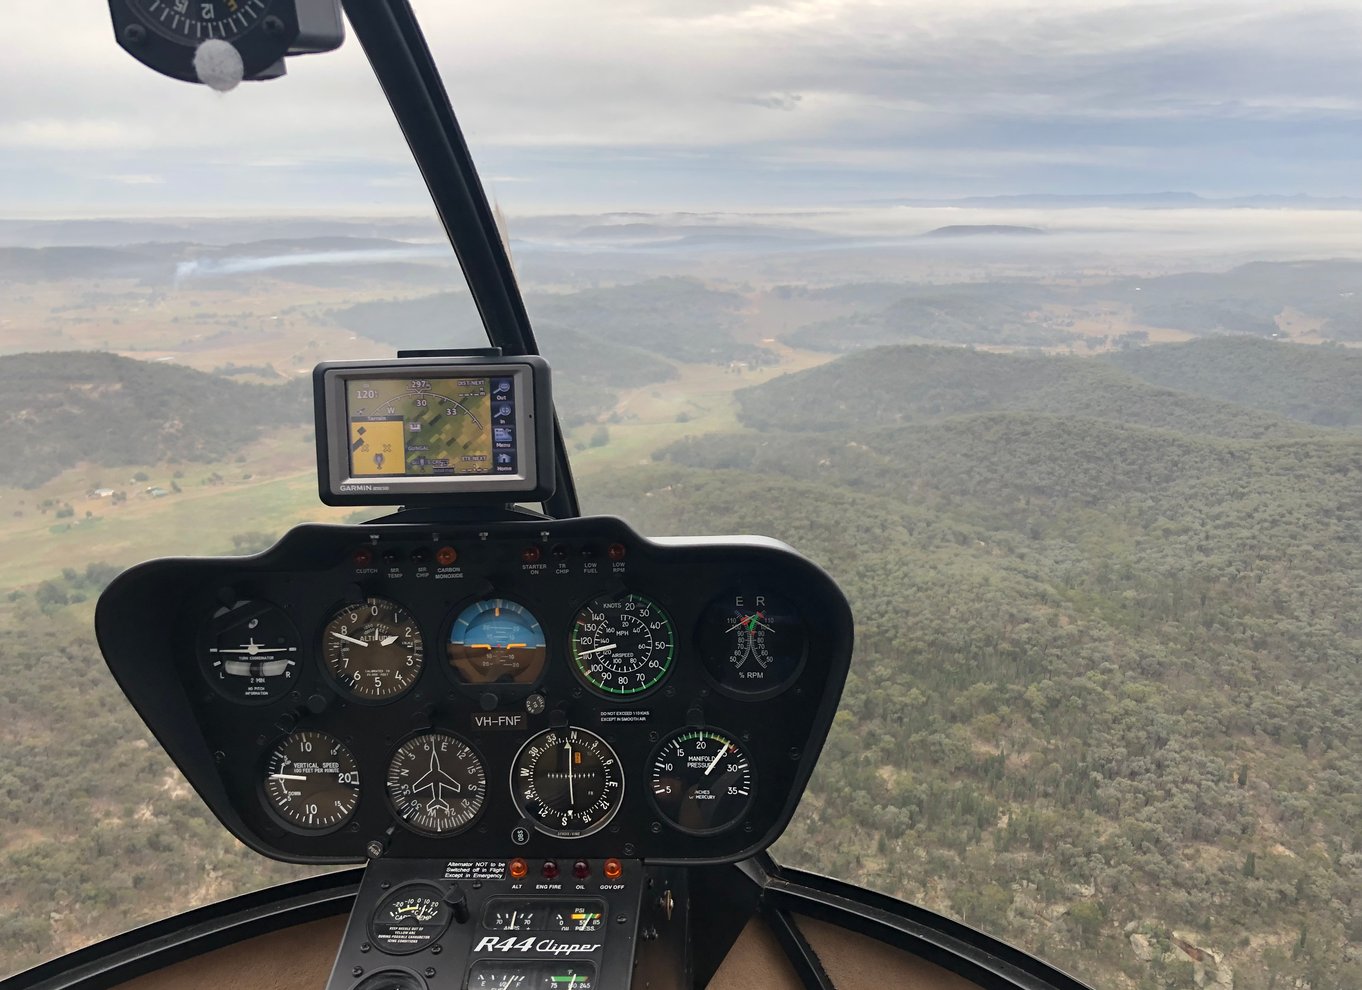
point(1037, 325)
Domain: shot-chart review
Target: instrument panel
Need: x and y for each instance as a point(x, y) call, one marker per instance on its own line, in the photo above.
point(528, 687)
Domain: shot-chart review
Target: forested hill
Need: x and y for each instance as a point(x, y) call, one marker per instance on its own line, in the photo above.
point(58, 409)
point(1320, 385)
point(1107, 691)
point(905, 384)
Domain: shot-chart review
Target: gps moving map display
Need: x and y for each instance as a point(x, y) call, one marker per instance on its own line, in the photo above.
point(431, 426)
point(423, 430)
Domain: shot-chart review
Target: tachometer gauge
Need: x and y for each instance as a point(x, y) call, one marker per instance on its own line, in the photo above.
point(622, 644)
point(437, 783)
point(701, 781)
point(567, 781)
point(312, 781)
point(496, 641)
point(409, 919)
point(373, 649)
point(249, 652)
point(753, 643)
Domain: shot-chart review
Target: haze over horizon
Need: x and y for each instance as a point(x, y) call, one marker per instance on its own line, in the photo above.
point(634, 105)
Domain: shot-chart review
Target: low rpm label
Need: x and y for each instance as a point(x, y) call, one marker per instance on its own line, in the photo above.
point(476, 869)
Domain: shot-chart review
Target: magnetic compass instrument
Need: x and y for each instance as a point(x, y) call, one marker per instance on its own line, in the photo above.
point(567, 781)
point(437, 783)
point(249, 652)
point(411, 918)
point(496, 641)
point(754, 643)
point(623, 644)
point(373, 649)
point(166, 34)
point(702, 781)
point(312, 781)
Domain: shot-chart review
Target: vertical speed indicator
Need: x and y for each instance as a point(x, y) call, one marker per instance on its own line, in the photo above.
point(312, 781)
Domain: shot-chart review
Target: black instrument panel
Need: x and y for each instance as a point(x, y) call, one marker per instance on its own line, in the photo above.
point(526, 688)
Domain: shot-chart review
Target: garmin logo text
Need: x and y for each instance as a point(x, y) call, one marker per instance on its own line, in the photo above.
point(547, 946)
point(366, 488)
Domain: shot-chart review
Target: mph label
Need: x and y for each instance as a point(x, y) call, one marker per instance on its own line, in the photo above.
point(542, 946)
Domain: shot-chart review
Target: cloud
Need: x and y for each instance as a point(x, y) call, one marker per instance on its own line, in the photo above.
point(650, 102)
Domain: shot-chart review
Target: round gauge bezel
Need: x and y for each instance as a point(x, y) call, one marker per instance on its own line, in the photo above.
point(512, 688)
point(732, 739)
point(704, 656)
point(205, 663)
point(397, 812)
point(620, 594)
point(412, 889)
point(345, 690)
point(388, 972)
point(517, 798)
point(272, 809)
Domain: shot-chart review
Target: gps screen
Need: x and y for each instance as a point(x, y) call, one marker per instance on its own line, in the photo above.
point(425, 427)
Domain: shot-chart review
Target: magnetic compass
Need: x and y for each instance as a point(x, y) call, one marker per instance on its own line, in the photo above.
point(165, 34)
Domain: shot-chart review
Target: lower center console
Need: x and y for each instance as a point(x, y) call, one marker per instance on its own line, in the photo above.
point(429, 924)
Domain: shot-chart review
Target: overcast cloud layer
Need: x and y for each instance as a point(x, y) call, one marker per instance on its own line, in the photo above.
point(620, 104)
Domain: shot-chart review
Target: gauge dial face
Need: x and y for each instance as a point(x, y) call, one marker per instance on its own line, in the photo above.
point(567, 976)
point(702, 781)
point(498, 975)
point(567, 781)
point(496, 641)
point(199, 20)
point(409, 919)
point(622, 644)
point(249, 652)
point(504, 914)
point(437, 783)
point(753, 643)
point(373, 649)
point(312, 781)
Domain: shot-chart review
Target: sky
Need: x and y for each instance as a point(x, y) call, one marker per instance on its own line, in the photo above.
point(618, 105)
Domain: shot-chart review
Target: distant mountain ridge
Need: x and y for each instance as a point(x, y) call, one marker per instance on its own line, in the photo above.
point(63, 408)
point(889, 386)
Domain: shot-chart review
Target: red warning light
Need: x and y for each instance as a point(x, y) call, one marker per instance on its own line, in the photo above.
point(446, 556)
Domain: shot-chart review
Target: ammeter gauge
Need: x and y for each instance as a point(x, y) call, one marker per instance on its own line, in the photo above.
point(622, 644)
point(373, 649)
point(702, 781)
point(312, 781)
point(567, 781)
point(249, 652)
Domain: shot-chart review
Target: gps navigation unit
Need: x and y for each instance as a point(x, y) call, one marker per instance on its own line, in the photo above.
point(429, 431)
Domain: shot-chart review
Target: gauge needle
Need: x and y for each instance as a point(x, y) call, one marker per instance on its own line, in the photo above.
point(287, 776)
point(572, 798)
point(350, 639)
point(387, 641)
point(715, 762)
point(597, 649)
